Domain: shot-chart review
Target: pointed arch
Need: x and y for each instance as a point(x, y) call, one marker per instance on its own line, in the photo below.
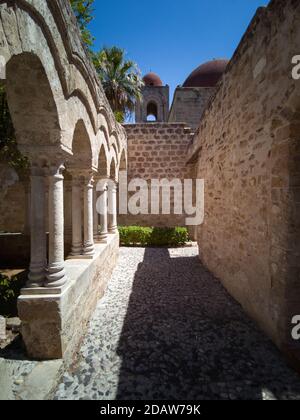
point(31, 102)
point(81, 147)
point(103, 162)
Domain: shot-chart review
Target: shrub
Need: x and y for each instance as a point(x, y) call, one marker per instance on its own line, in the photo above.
point(9, 293)
point(145, 236)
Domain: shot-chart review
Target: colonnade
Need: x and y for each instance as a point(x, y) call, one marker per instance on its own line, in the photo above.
point(94, 217)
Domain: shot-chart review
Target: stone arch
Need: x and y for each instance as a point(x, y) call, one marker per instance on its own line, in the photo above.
point(106, 135)
point(113, 172)
point(31, 102)
point(103, 162)
point(115, 142)
point(114, 152)
point(123, 161)
point(63, 120)
point(81, 147)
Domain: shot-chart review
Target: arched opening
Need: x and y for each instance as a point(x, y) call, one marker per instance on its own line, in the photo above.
point(81, 161)
point(103, 168)
point(29, 119)
point(123, 162)
point(152, 112)
point(31, 102)
point(81, 147)
point(113, 169)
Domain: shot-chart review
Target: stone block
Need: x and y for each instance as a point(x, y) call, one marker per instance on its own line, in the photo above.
point(53, 326)
point(2, 328)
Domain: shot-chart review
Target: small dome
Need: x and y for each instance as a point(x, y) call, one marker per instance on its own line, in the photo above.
point(152, 79)
point(206, 75)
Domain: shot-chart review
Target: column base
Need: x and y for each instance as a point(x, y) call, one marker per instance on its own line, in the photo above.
point(36, 276)
point(81, 257)
point(56, 276)
point(42, 291)
point(76, 250)
point(54, 324)
point(88, 250)
point(102, 238)
point(113, 230)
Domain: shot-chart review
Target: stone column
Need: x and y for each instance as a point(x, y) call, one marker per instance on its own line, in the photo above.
point(102, 208)
point(26, 229)
point(56, 276)
point(95, 215)
point(112, 207)
point(77, 245)
point(68, 210)
point(88, 248)
point(38, 256)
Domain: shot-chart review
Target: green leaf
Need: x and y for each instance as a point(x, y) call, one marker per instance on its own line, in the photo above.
point(120, 78)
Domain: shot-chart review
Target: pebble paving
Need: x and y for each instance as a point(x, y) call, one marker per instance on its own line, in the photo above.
point(167, 330)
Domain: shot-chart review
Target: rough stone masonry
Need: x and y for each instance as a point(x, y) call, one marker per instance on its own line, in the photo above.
point(247, 149)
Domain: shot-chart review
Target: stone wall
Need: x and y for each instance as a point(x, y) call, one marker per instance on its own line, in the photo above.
point(248, 151)
point(157, 95)
point(188, 105)
point(12, 201)
point(157, 151)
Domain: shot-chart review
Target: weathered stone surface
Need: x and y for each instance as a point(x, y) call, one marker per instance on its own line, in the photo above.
point(247, 150)
point(158, 99)
point(52, 88)
point(189, 104)
point(63, 122)
point(28, 380)
point(2, 328)
point(52, 326)
point(13, 324)
point(157, 151)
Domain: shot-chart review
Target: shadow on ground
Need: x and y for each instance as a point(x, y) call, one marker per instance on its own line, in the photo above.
point(184, 337)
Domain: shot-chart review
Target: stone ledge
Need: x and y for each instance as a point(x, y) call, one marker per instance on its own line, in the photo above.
point(54, 324)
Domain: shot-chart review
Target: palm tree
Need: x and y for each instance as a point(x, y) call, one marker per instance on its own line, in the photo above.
point(120, 79)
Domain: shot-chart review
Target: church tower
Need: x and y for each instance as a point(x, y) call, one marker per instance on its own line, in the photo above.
point(154, 106)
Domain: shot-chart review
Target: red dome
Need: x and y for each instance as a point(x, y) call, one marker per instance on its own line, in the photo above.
point(152, 79)
point(206, 75)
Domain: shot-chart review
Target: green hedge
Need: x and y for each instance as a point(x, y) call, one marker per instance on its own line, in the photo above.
point(145, 236)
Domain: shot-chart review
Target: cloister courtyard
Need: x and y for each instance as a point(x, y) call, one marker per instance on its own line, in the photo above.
point(149, 244)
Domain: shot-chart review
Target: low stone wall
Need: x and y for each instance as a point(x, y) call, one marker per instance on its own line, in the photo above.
point(157, 151)
point(53, 325)
point(247, 150)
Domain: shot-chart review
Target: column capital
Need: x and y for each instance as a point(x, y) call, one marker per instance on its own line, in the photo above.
point(112, 185)
point(38, 169)
point(85, 175)
point(56, 170)
point(102, 184)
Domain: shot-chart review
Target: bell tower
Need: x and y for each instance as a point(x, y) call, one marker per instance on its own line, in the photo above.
point(154, 106)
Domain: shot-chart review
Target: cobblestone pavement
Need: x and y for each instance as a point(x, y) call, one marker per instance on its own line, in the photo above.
point(167, 329)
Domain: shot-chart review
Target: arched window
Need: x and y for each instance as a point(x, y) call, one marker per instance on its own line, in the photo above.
point(152, 112)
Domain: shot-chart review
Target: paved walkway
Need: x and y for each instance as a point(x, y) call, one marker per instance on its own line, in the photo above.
point(166, 329)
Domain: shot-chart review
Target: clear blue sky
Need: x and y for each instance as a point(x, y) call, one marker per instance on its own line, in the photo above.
point(172, 37)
